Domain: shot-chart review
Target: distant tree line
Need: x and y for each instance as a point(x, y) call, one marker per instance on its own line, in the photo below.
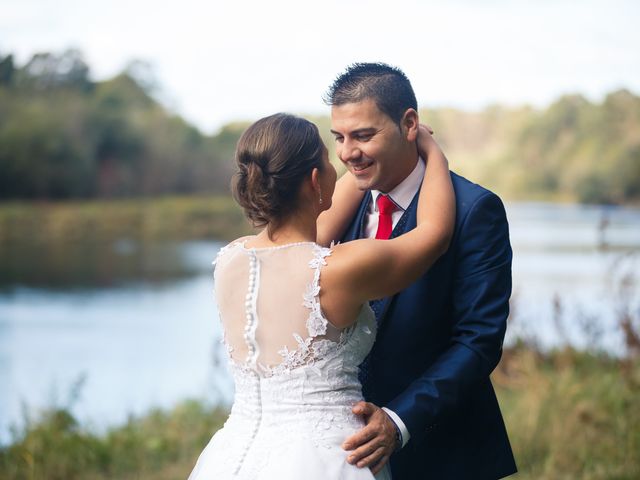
point(573, 150)
point(63, 135)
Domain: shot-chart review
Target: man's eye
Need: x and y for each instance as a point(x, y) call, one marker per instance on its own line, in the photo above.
point(339, 139)
point(363, 138)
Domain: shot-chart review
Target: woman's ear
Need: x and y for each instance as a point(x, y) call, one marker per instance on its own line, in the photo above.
point(315, 180)
point(410, 123)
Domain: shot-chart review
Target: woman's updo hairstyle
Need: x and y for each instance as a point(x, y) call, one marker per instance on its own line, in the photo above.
point(273, 157)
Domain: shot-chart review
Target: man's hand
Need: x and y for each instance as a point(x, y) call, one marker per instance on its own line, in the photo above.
point(373, 445)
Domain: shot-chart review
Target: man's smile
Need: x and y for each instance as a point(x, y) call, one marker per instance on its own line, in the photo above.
point(361, 167)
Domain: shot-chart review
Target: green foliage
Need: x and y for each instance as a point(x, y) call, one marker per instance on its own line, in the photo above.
point(159, 445)
point(571, 414)
point(7, 70)
point(156, 219)
point(64, 136)
point(75, 243)
point(574, 150)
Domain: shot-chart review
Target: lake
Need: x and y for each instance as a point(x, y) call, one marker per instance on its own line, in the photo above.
point(115, 330)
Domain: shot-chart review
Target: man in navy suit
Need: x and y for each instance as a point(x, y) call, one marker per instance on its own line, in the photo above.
point(430, 406)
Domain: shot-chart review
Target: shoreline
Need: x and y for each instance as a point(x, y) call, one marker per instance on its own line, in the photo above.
point(167, 218)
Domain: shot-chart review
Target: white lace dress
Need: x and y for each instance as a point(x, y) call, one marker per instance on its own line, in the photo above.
point(296, 375)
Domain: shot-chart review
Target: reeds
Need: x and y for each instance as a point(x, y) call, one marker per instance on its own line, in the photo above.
point(161, 445)
point(575, 414)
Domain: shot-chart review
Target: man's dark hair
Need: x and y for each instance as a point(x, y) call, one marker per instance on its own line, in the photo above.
point(387, 86)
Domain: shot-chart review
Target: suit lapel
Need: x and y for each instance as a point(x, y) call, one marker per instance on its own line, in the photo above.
point(356, 229)
point(363, 215)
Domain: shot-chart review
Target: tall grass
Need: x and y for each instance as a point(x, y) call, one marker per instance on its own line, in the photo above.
point(571, 414)
point(160, 445)
point(77, 244)
point(164, 218)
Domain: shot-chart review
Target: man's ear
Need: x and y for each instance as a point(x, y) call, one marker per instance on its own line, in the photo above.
point(410, 123)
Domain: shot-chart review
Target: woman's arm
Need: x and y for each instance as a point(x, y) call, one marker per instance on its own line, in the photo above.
point(333, 222)
point(437, 202)
point(368, 269)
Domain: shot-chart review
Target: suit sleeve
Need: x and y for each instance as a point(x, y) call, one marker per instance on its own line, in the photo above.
point(480, 297)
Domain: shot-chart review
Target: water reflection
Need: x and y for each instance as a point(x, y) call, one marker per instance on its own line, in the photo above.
point(148, 342)
point(96, 263)
point(568, 268)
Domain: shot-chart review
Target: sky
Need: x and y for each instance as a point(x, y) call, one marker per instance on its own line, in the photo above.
point(221, 61)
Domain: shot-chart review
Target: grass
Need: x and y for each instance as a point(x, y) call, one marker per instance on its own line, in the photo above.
point(570, 415)
point(161, 445)
point(104, 243)
point(165, 218)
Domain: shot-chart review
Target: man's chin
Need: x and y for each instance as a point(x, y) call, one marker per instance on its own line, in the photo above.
point(363, 184)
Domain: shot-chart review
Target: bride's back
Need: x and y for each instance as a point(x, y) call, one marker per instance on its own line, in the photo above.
point(268, 300)
point(296, 375)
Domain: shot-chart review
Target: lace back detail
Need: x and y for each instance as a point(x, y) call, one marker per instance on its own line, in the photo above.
point(265, 329)
point(316, 324)
point(296, 375)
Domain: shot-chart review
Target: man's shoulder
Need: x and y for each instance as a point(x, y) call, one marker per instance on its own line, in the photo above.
point(466, 187)
point(468, 192)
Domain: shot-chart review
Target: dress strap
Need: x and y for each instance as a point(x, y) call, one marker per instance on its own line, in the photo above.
point(316, 323)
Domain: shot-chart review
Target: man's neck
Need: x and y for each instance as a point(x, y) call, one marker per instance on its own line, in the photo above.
point(405, 190)
point(402, 176)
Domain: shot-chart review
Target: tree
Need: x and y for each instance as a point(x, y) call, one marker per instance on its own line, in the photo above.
point(7, 69)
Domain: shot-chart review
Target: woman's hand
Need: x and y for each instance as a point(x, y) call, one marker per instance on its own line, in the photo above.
point(425, 140)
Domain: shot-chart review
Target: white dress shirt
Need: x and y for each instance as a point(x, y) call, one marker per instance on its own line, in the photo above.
point(401, 196)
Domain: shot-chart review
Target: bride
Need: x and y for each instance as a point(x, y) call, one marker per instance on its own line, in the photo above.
point(294, 311)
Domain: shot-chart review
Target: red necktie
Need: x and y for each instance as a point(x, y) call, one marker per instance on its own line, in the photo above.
point(385, 225)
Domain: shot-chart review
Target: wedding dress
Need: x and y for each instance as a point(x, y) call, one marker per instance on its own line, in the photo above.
point(296, 375)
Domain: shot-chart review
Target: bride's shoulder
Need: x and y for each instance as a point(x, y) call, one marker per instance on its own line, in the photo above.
point(234, 243)
point(240, 240)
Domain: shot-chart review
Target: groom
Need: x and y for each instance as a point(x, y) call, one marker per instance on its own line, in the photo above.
point(440, 338)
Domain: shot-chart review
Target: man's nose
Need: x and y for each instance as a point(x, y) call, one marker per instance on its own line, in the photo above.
point(349, 151)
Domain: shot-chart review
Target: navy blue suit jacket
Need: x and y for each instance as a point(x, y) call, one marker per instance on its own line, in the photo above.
point(438, 341)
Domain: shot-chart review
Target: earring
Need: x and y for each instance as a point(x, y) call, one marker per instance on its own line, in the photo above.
point(320, 195)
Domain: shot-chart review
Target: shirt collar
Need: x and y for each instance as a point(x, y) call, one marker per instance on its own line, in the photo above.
point(405, 190)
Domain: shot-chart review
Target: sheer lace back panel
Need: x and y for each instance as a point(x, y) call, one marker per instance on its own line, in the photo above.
point(296, 376)
point(269, 306)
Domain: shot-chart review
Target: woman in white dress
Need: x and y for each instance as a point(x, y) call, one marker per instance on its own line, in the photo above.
point(294, 311)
